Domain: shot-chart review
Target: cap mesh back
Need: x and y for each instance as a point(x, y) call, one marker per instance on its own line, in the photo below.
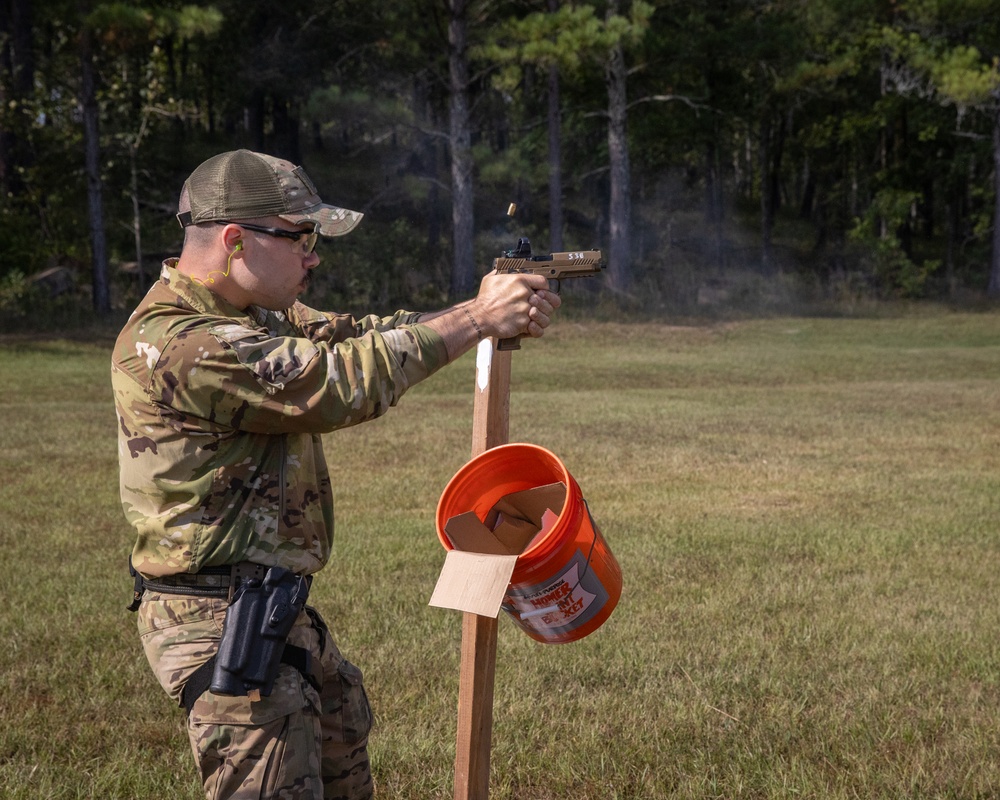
point(243, 185)
point(236, 185)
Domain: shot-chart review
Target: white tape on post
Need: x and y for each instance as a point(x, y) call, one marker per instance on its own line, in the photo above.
point(484, 358)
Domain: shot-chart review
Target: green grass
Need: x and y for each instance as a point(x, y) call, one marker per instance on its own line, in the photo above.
point(806, 515)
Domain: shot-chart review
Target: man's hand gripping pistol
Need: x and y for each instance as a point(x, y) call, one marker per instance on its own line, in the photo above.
point(554, 266)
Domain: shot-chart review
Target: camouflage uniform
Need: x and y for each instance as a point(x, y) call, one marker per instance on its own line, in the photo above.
point(220, 413)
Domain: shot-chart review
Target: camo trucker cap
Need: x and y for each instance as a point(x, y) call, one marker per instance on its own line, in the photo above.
point(242, 184)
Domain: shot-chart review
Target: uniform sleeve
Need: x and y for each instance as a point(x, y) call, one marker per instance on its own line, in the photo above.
point(232, 376)
point(319, 326)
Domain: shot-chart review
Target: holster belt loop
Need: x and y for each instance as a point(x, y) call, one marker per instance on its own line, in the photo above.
point(245, 571)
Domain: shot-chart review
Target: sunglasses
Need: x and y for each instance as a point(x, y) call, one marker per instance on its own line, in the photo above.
point(305, 241)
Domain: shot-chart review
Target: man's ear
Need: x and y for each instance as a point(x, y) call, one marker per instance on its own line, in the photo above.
point(232, 238)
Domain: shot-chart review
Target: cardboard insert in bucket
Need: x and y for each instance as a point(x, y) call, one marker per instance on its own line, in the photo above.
point(520, 536)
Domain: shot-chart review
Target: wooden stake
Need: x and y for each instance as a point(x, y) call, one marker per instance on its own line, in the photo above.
point(490, 427)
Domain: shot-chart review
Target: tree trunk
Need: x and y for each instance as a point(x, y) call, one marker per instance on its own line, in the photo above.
point(951, 227)
point(766, 198)
point(133, 163)
point(92, 159)
point(808, 202)
point(287, 142)
point(772, 148)
point(427, 167)
point(254, 120)
point(993, 287)
point(7, 138)
point(555, 155)
point(24, 53)
point(17, 83)
point(463, 269)
point(555, 164)
point(713, 198)
point(620, 207)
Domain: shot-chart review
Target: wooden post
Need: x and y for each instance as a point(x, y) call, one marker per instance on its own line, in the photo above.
point(490, 427)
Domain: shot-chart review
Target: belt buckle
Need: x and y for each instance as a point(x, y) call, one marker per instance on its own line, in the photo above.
point(245, 571)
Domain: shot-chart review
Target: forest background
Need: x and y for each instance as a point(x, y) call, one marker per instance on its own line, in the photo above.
point(737, 153)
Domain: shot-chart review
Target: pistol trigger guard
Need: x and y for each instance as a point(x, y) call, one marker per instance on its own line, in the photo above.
point(555, 285)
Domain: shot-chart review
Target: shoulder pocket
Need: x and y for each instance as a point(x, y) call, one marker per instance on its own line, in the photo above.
point(273, 360)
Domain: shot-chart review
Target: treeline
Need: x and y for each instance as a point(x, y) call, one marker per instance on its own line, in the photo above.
point(841, 145)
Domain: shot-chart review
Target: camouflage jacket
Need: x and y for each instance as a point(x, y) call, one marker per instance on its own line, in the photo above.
point(220, 413)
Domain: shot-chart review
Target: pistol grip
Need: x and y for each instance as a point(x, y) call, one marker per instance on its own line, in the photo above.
point(509, 344)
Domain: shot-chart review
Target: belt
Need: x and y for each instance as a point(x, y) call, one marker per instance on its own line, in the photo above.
point(208, 582)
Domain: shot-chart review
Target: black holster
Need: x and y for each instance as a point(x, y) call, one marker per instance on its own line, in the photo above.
point(253, 635)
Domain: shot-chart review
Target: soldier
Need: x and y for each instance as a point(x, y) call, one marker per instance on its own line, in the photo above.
point(224, 383)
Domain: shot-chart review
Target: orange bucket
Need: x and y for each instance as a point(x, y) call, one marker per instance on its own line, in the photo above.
point(567, 581)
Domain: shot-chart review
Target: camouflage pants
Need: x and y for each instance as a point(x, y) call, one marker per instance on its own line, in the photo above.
point(296, 744)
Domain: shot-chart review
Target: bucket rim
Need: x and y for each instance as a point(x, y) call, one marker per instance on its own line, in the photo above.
point(462, 474)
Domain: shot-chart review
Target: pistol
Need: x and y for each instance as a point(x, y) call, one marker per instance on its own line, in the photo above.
point(554, 266)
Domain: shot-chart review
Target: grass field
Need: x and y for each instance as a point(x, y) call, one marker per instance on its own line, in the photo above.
point(806, 515)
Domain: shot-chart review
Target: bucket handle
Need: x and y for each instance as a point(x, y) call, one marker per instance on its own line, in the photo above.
point(537, 612)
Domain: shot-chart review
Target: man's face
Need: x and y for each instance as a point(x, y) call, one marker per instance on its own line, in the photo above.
point(275, 269)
